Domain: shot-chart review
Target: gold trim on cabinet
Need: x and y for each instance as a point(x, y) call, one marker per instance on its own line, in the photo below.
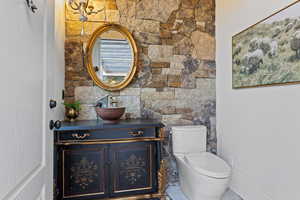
point(162, 133)
point(103, 140)
point(132, 190)
point(162, 177)
point(138, 197)
point(110, 141)
point(134, 50)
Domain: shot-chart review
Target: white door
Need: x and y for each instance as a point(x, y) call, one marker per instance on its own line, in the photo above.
point(28, 62)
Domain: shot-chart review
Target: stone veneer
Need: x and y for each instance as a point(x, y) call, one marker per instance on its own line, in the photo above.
point(175, 81)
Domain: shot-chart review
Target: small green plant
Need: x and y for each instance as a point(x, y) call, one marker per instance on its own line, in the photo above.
point(76, 105)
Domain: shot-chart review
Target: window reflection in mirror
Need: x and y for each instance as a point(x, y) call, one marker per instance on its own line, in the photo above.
point(112, 57)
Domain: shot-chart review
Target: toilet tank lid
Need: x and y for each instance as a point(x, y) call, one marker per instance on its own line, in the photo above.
point(208, 164)
point(184, 129)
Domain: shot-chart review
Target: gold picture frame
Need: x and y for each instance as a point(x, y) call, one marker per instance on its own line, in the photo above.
point(134, 50)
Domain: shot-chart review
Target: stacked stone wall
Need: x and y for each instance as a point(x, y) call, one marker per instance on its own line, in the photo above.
point(176, 74)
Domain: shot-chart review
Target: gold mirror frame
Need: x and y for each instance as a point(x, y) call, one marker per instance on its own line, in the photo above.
point(90, 67)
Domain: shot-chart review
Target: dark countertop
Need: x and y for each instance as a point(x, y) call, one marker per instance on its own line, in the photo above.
point(98, 124)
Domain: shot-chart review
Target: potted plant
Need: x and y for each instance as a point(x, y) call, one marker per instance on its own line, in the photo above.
point(72, 110)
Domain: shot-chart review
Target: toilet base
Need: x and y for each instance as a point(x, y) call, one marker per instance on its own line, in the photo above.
point(198, 187)
point(198, 195)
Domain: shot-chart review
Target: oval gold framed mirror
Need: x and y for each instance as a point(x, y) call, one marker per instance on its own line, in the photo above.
point(112, 57)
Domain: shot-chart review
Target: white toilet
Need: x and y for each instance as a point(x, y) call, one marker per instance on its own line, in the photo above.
point(202, 175)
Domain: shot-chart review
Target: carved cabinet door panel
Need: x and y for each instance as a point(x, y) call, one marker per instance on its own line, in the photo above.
point(83, 172)
point(133, 168)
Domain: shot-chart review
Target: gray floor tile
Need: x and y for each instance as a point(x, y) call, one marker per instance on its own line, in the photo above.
point(175, 193)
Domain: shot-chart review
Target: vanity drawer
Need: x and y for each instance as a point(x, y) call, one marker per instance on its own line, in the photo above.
point(108, 134)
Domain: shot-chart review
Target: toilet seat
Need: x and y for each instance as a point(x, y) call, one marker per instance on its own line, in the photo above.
point(208, 164)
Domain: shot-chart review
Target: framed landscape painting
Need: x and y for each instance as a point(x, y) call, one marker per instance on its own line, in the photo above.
point(268, 53)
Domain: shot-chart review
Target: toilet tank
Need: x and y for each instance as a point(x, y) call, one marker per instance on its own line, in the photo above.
point(189, 139)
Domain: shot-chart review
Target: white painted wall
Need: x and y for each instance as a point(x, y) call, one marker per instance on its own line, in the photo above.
point(258, 129)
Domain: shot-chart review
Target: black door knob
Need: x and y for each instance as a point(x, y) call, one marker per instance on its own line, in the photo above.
point(52, 103)
point(55, 125)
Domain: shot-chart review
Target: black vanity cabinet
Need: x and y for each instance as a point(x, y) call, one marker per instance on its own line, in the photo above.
point(96, 161)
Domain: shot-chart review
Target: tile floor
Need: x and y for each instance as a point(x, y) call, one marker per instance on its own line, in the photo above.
point(175, 193)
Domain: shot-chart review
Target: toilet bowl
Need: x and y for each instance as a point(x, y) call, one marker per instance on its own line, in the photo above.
point(202, 175)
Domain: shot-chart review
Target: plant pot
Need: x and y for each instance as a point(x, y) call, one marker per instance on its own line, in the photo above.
point(71, 114)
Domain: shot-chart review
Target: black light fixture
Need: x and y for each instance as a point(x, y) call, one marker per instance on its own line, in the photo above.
point(31, 5)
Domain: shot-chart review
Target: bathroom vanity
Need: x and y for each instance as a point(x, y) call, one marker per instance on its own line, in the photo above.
point(96, 160)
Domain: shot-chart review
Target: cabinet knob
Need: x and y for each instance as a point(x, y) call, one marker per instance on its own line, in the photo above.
point(79, 136)
point(136, 133)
